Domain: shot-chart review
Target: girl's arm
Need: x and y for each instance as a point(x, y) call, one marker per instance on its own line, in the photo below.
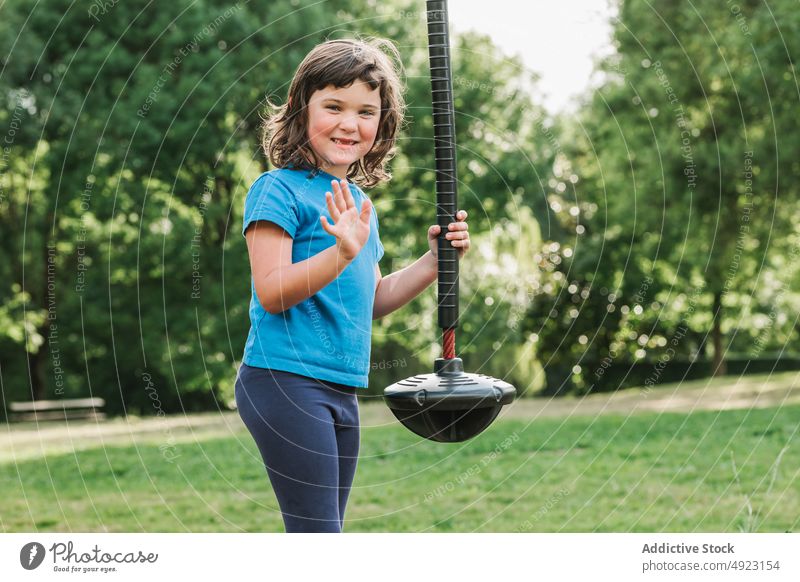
point(279, 283)
point(397, 289)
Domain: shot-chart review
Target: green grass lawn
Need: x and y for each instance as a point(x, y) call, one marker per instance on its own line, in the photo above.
point(704, 471)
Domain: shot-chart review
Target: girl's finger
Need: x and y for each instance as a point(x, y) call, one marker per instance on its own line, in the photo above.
point(458, 226)
point(338, 197)
point(434, 230)
point(461, 214)
point(341, 200)
point(365, 211)
point(348, 197)
point(334, 212)
point(327, 227)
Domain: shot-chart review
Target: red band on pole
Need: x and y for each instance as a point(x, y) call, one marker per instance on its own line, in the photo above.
point(449, 344)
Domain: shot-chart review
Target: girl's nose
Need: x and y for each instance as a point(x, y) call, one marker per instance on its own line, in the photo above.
point(348, 122)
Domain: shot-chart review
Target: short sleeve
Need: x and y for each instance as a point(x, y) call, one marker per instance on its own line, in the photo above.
point(379, 245)
point(270, 199)
point(380, 251)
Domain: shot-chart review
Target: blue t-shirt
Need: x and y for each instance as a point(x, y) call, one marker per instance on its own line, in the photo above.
point(328, 335)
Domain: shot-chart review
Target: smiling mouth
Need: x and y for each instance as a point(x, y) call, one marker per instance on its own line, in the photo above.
point(345, 142)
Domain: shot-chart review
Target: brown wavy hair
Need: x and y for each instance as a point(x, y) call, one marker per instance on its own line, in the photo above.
point(339, 63)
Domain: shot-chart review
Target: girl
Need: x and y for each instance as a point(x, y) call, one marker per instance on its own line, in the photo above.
point(312, 238)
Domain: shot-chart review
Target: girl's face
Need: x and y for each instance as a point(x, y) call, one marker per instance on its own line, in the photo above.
point(342, 125)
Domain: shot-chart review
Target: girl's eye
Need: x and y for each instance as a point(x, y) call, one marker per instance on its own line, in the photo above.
point(336, 108)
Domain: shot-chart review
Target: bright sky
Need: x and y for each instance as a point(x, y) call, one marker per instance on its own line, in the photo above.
point(558, 39)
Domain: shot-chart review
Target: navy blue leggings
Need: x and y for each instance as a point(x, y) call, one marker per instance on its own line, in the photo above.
point(307, 432)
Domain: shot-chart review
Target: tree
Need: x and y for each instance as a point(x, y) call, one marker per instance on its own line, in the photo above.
point(135, 126)
point(672, 150)
point(136, 138)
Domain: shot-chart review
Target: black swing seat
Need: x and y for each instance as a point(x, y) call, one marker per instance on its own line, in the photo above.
point(448, 405)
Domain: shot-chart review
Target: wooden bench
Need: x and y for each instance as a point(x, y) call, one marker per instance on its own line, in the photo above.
point(64, 409)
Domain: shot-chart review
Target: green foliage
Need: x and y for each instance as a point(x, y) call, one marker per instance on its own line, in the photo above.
point(131, 135)
point(677, 189)
point(135, 129)
point(135, 138)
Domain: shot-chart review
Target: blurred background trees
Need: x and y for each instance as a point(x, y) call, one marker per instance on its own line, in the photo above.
point(651, 235)
point(683, 205)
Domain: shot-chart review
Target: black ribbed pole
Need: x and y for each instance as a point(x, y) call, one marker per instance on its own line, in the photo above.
point(444, 136)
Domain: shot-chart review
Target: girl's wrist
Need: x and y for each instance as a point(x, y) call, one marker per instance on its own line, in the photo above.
point(432, 264)
point(341, 255)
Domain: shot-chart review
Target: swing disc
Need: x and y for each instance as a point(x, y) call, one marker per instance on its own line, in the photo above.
point(448, 406)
